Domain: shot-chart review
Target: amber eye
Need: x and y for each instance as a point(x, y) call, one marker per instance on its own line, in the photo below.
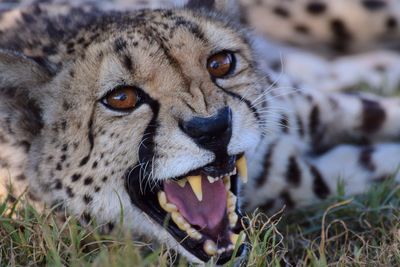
point(122, 98)
point(221, 64)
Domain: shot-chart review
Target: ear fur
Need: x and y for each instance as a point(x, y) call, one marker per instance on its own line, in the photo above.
point(21, 79)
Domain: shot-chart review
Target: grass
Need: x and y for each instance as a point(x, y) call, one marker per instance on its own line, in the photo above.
point(360, 231)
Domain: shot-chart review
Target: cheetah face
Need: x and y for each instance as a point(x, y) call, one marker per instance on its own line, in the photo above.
point(152, 122)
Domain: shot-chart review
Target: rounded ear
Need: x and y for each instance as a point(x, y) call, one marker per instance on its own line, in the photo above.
point(19, 71)
point(21, 84)
point(228, 7)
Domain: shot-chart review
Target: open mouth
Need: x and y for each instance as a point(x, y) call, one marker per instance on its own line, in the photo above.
point(199, 209)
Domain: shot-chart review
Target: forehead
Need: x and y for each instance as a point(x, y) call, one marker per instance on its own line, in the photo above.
point(164, 41)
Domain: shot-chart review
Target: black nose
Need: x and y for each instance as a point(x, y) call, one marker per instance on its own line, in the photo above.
point(211, 133)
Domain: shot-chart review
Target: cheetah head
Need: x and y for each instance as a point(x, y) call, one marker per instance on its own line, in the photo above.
point(150, 115)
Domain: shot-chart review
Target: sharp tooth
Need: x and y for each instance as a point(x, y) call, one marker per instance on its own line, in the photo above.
point(170, 207)
point(241, 166)
point(162, 198)
point(195, 183)
point(231, 202)
point(221, 250)
point(210, 247)
point(230, 247)
point(182, 182)
point(179, 220)
point(233, 218)
point(235, 239)
point(227, 183)
point(193, 233)
point(233, 172)
point(211, 179)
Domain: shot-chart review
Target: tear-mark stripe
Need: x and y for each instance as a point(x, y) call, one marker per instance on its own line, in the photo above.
point(293, 172)
point(320, 188)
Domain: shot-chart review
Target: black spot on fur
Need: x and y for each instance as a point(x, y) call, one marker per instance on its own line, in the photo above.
point(284, 123)
point(59, 167)
point(339, 29)
point(373, 116)
point(87, 198)
point(365, 158)
point(287, 199)
point(69, 192)
point(316, 8)
point(88, 180)
point(300, 126)
point(263, 177)
point(64, 148)
point(86, 217)
point(281, 12)
point(373, 4)
point(94, 166)
point(97, 189)
point(58, 184)
point(21, 177)
point(391, 23)
point(104, 179)
point(119, 45)
point(128, 62)
point(84, 161)
point(267, 206)
point(303, 29)
point(314, 120)
point(319, 187)
point(341, 35)
point(293, 173)
point(75, 177)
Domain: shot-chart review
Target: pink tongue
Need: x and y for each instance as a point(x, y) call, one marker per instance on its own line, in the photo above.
point(207, 214)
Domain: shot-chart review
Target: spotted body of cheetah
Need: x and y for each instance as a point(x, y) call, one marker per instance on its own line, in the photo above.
point(105, 108)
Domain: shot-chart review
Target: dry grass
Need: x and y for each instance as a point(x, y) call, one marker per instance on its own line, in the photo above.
point(364, 231)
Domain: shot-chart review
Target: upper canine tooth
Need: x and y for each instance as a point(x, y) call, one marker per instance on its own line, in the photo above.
point(241, 166)
point(210, 247)
point(182, 182)
point(195, 183)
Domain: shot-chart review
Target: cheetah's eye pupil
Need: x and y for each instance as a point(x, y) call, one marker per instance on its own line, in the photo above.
point(221, 64)
point(122, 98)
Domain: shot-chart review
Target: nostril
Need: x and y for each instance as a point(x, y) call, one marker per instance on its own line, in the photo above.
point(209, 130)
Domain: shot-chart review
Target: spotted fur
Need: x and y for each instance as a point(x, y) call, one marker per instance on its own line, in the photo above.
point(301, 135)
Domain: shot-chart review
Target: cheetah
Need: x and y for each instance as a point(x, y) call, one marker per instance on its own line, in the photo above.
point(180, 118)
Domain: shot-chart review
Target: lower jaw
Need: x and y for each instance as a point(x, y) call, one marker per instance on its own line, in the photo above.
point(195, 242)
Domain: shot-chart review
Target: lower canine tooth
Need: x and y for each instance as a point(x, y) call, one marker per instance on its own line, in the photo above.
point(241, 166)
point(179, 220)
point(210, 247)
point(233, 218)
point(193, 233)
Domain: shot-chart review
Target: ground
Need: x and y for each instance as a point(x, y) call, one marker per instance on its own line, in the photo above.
point(359, 231)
